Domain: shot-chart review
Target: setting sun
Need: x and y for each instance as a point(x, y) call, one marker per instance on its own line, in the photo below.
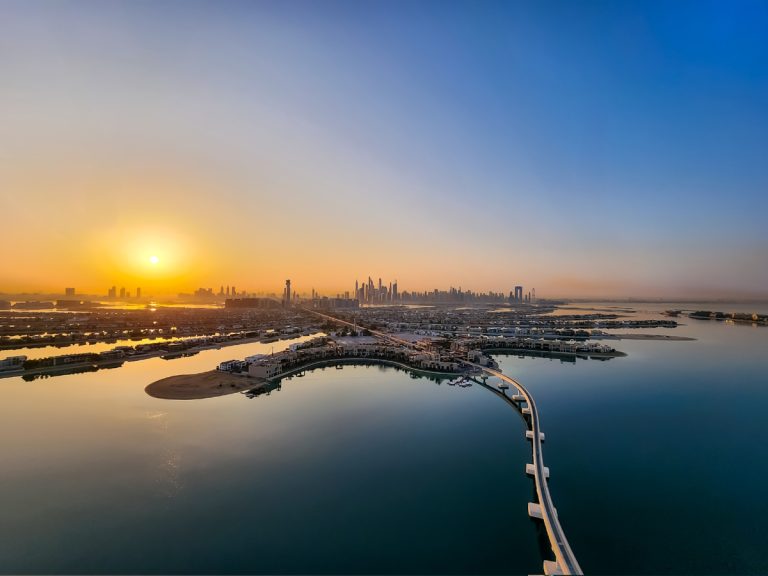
point(154, 260)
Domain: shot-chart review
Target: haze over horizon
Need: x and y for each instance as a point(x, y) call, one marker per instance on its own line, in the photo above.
point(585, 149)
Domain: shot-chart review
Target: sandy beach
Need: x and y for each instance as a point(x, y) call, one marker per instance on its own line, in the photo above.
point(204, 385)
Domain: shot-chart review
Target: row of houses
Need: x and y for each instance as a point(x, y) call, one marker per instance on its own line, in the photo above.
point(534, 344)
point(63, 339)
point(554, 327)
point(12, 363)
point(323, 349)
point(470, 331)
point(120, 352)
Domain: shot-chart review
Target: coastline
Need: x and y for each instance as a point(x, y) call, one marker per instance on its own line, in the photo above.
point(642, 337)
point(215, 383)
point(551, 354)
point(363, 362)
point(62, 369)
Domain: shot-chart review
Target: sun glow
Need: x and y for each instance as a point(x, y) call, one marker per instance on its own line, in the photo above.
point(154, 260)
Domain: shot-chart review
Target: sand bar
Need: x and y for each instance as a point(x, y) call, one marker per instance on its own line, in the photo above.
point(204, 385)
point(642, 337)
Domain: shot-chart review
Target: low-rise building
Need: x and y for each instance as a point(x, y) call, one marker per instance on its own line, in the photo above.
point(12, 363)
point(232, 366)
point(265, 368)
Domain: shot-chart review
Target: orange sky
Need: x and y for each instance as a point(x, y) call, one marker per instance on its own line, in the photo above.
point(244, 147)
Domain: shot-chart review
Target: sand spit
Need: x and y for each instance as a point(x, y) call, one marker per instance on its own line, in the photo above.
point(204, 385)
point(643, 337)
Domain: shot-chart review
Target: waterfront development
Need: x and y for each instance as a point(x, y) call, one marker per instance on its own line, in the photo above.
point(383, 287)
point(169, 483)
point(26, 340)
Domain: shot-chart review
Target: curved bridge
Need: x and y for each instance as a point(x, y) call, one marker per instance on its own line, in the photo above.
point(544, 510)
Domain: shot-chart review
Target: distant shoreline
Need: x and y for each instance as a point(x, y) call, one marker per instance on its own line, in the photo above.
point(63, 369)
point(553, 353)
point(640, 337)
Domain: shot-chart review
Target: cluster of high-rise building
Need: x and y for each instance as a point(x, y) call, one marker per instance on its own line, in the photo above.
point(455, 295)
point(230, 291)
point(223, 292)
point(373, 293)
point(370, 293)
point(365, 293)
point(518, 297)
point(112, 293)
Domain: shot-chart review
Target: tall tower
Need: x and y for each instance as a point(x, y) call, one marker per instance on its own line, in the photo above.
point(287, 292)
point(371, 290)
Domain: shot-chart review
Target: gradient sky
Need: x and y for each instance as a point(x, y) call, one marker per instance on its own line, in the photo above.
point(584, 148)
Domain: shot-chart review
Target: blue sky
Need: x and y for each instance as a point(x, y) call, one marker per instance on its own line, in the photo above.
point(606, 148)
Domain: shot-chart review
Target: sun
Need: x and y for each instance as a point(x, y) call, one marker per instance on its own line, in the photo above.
point(154, 260)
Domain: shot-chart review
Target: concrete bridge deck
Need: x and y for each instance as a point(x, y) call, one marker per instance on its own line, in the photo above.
point(544, 510)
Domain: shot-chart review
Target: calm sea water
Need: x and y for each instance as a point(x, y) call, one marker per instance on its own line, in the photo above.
point(658, 464)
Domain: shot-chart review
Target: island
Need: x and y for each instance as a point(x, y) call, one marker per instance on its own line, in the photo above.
point(436, 357)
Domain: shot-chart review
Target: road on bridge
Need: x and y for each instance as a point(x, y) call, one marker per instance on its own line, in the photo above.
point(566, 560)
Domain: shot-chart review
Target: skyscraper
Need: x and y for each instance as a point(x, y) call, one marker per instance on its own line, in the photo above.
point(371, 291)
point(287, 294)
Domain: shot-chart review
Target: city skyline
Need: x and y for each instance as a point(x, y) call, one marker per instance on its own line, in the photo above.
point(484, 145)
point(340, 289)
point(367, 292)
